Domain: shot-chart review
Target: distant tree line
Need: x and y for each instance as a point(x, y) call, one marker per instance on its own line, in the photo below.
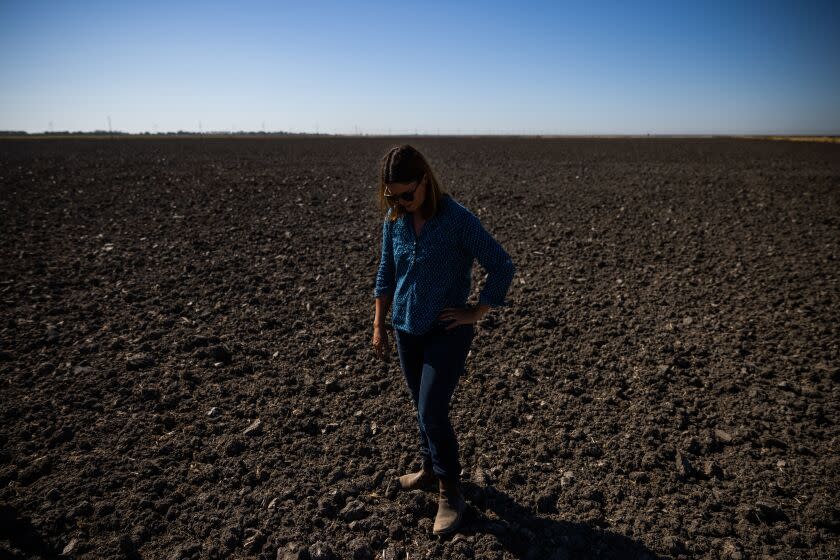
point(147, 133)
point(62, 133)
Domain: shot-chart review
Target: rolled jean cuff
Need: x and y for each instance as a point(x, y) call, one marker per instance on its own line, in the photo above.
point(449, 478)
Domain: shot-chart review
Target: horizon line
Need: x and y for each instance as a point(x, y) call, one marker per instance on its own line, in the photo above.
point(258, 133)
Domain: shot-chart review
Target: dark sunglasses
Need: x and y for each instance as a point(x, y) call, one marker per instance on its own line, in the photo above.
point(408, 196)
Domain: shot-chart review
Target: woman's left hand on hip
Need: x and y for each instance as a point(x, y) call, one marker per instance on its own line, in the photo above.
point(458, 316)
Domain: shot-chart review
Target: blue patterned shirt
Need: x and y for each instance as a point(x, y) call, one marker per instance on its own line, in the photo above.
point(425, 274)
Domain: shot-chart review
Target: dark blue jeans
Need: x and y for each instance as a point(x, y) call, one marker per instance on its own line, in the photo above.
point(432, 364)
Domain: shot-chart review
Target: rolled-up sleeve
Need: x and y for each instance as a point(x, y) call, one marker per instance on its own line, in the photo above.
point(385, 282)
point(493, 258)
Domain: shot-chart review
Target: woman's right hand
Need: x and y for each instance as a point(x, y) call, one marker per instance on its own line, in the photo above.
point(381, 346)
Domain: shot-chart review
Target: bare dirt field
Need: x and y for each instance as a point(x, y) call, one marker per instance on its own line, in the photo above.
point(186, 366)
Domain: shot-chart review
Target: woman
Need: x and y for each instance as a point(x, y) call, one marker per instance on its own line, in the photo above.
point(429, 242)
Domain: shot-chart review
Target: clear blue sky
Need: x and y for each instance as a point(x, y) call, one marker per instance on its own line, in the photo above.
point(590, 67)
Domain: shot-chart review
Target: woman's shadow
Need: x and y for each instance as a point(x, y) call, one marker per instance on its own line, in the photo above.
point(531, 537)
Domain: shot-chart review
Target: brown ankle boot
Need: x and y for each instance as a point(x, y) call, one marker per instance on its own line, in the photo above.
point(451, 508)
point(421, 479)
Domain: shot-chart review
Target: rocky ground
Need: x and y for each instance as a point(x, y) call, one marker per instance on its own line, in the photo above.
point(186, 371)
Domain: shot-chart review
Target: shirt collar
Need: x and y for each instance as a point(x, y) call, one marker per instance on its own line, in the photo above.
point(431, 224)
